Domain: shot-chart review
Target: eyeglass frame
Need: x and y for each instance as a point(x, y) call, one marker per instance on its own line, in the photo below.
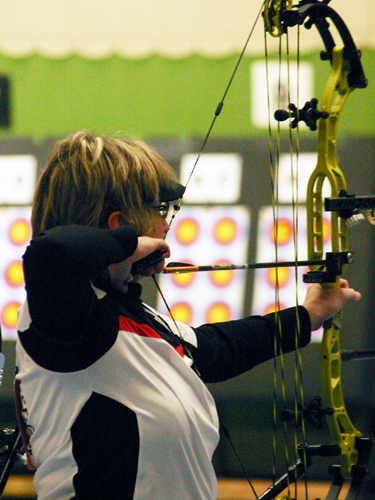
point(163, 208)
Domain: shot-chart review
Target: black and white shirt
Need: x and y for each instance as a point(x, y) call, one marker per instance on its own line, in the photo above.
point(113, 406)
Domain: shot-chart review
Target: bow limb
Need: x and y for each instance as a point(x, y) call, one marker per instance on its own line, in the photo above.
point(342, 431)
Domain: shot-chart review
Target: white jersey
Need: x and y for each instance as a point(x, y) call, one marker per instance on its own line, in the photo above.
point(175, 414)
point(109, 391)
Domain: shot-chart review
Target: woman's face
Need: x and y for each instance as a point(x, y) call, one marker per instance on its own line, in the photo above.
point(160, 222)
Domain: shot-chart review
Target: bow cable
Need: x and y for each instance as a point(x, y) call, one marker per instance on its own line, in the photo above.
point(221, 103)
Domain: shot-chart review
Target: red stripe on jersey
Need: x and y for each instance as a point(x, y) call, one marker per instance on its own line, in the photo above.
point(143, 330)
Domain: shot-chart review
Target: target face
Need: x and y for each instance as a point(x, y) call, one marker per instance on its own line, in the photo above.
point(15, 234)
point(288, 282)
point(207, 235)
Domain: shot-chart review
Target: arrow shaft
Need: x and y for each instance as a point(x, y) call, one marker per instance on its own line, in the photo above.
point(179, 268)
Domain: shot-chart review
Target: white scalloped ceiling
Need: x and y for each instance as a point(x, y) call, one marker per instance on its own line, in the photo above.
point(139, 28)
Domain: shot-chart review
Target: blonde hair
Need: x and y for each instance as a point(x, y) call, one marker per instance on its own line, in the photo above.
point(88, 177)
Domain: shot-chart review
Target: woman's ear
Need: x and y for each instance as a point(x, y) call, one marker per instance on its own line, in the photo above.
point(116, 219)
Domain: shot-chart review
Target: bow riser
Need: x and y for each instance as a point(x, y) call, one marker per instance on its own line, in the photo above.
point(327, 167)
point(342, 431)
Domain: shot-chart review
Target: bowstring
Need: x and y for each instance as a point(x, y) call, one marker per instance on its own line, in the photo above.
point(273, 195)
point(298, 384)
point(274, 180)
point(177, 208)
point(275, 205)
point(298, 370)
point(294, 155)
point(298, 378)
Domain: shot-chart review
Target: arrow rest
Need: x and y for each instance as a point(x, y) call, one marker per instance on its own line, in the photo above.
point(335, 262)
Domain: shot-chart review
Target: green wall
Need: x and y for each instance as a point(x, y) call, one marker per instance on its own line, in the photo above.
point(152, 97)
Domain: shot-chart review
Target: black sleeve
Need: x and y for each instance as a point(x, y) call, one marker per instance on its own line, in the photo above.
point(59, 266)
point(228, 349)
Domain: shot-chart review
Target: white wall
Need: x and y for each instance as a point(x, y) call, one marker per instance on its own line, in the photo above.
point(139, 28)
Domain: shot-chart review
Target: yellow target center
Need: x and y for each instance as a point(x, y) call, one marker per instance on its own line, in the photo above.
point(187, 231)
point(225, 231)
point(9, 314)
point(14, 274)
point(181, 312)
point(20, 232)
point(218, 312)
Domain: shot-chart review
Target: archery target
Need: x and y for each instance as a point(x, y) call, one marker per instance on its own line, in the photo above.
point(17, 179)
point(207, 235)
point(15, 234)
point(217, 178)
point(292, 186)
point(284, 284)
point(275, 85)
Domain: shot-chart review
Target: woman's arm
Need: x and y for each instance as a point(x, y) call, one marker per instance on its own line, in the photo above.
point(228, 349)
point(59, 266)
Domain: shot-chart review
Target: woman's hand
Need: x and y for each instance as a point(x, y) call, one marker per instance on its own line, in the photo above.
point(323, 303)
point(120, 273)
